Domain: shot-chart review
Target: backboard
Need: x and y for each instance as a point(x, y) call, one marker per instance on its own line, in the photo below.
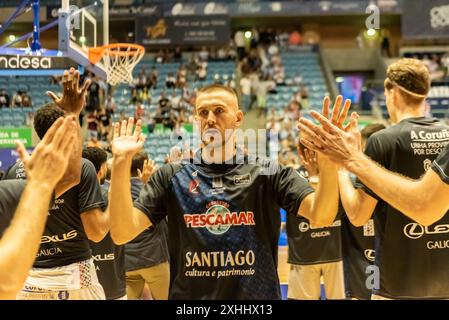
point(83, 24)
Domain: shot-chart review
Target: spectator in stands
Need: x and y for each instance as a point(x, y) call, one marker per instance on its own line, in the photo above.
point(239, 39)
point(105, 122)
point(297, 79)
point(151, 122)
point(282, 39)
point(139, 113)
point(222, 54)
point(152, 78)
point(4, 99)
point(294, 38)
point(177, 56)
point(134, 97)
point(158, 117)
point(17, 99)
point(304, 96)
point(279, 73)
point(164, 103)
point(201, 72)
point(26, 100)
point(93, 96)
point(175, 101)
point(262, 89)
point(203, 54)
point(145, 96)
point(141, 79)
point(245, 67)
point(92, 126)
point(181, 77)
point(170, 81)
point(159, 57)
point(169, 120)
point(254, 60)
point(110, 105)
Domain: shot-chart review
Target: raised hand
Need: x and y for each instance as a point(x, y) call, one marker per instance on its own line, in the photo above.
point(337, 144)
point(309, 161)
point(337, 118)
point(149, 168)
point(50, 158)
point(73, 97)
point(125, 143)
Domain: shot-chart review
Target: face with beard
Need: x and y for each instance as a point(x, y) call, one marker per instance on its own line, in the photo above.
point(217, 115)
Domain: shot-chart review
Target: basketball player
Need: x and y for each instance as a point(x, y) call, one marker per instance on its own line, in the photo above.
point(222, 208)
point(409, 148)
point(109, 259)
point(313, 252)
point(358, 243)
point(20, 241)
point(64, 268)
point(146, 256)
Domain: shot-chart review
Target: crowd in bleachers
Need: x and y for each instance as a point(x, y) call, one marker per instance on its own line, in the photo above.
point(436, 62)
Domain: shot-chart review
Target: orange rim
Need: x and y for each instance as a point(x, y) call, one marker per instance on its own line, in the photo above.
point(114, 49)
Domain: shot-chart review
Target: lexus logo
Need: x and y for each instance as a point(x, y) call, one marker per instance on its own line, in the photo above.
point(369, 254)
point(303, 226)
point(416, 231)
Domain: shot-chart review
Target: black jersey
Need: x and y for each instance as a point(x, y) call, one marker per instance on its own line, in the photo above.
point(307, 245)
point(64, 240)
point(358, 255)
point(10, 193)
point(224, 224)
point(412, 259)
point(150, 247)
point(441, 165)
point(109, 260)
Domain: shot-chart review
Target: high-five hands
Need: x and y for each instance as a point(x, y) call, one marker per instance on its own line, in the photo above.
point(125, 142)
point(73, 97)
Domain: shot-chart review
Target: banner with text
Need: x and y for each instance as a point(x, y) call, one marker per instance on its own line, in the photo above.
point(183, 30)
point(9, 135)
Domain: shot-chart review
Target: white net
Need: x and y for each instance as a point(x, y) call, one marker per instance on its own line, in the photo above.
point(119, 62)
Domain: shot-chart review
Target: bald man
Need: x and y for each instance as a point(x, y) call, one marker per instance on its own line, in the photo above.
point(222, 207)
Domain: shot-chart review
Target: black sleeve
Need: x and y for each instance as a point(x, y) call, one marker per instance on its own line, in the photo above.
point(10, 193)
point(89, 188)
point(377, 152)
point(290, 188)
point(105, 195)
point(151, 198)
point(441, 165)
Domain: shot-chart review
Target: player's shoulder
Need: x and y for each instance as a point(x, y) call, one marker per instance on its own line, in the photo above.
point(168, 170)
point(12, 188)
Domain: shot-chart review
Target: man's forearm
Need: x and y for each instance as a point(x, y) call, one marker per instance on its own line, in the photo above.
point(21, 240)
point(72, 176)
point(325, 203)
point(120, 201)
point(398, 191)
point(349, 197)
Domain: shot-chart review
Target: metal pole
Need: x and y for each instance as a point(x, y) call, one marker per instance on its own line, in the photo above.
point(35, 44)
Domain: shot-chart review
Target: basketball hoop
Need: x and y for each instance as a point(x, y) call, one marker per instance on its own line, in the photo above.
point(119, 60)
